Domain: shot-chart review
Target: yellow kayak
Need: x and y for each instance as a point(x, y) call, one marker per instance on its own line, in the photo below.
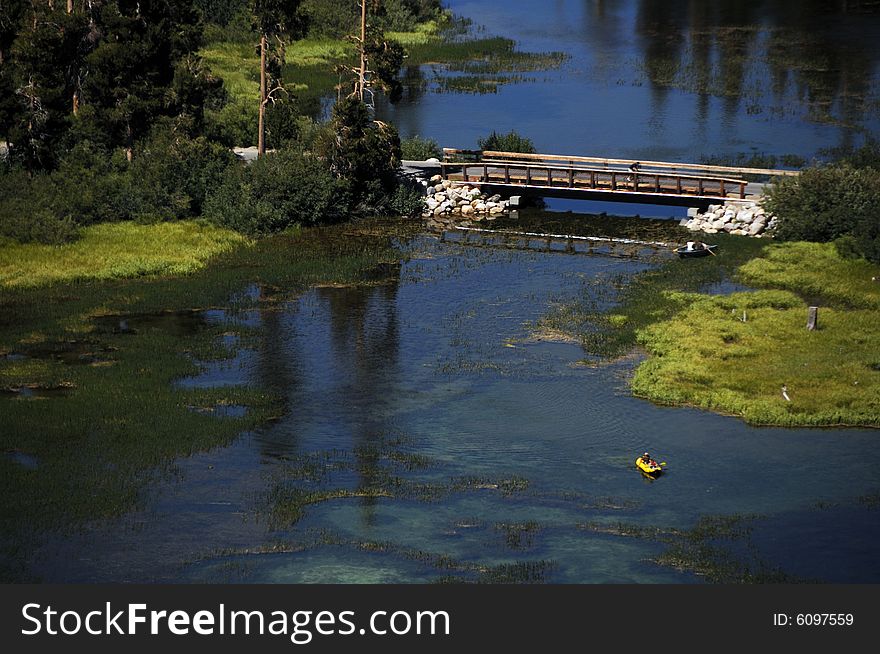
point(650, 468)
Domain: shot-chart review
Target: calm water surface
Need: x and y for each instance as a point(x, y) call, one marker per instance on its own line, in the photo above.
point(433, 379)
point(674, 80)
point(493, 448)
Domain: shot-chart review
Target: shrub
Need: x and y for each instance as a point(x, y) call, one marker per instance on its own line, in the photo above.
point(416, 148)
point(26, 212)
point(276, 192)
point(407, 198)
point(282, 124)
point(172, 174)
point(827, 203)
point(90, 185)
point(510, 142)
point(405, 15)
point(330, 18)
point(235, 125)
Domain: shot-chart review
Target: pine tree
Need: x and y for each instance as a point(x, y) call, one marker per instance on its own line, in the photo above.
point(41, 76)
point(362, 152)
point(133, 67)
point(11, 16)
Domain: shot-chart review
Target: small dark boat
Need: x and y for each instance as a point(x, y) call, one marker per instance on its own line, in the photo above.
point(684, 253)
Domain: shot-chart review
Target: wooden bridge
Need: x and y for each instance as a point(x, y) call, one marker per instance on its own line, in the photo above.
point(593, 178)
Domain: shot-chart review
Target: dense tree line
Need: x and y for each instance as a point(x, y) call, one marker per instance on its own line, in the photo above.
point(103, 110)
point(98, 70)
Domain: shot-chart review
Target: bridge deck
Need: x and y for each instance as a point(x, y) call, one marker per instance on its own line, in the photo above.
point(590, 177)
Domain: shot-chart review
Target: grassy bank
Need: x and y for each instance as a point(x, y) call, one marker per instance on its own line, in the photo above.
point(89, 412)
point(116, 250)
point(480, 65)
point(734, 353)
point(706, 356)
point(642, 300)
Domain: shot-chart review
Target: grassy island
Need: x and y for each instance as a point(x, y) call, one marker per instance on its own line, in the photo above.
point(733, 353)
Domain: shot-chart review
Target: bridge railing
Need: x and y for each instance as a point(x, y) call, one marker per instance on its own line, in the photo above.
point(539, 175)
point(451, 155)
point(655, 166)
point(456, 154)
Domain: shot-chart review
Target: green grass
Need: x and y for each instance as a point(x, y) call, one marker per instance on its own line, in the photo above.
point(816, 271)
point(705, 355)
point(117, 421)
point(643, 299)
point(427, 32)
point(116, 250)
point(239, 66)
point(311, 63)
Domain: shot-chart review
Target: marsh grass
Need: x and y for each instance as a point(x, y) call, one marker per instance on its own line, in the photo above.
point(121, 421)
point(111, 250)
point(480, 65)
point(816, 272)
point(450, 568)
point(703, 354)
point(383, 467)
point(641, 300)
point(706, 356)
point(238, 65)
point(719, 549)
point(520, 535)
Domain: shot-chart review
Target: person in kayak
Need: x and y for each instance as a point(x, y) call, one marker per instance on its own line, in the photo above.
point(647, 460)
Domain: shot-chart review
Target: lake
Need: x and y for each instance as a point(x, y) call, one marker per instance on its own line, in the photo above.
point(429, 434)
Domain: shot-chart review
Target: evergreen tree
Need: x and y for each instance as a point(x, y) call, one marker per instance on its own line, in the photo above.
point(362, 152)
point(42, 77)
point(133, 67)
point(11, 16)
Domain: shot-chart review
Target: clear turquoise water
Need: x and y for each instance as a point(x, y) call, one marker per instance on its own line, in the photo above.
point(427, 360)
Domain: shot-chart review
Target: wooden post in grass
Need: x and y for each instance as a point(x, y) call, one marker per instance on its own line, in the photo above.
point(813, 319)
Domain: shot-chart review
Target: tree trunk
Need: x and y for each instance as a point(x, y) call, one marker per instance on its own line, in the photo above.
point(362, 79)
point(261, 137)
point(75, 103)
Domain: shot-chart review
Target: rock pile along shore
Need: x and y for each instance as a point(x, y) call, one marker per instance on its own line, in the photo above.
point(445, 199)
point(740, 219)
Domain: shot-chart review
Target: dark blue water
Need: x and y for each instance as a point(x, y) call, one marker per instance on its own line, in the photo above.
point(492, 447)
point(672, 80)
point(527, 450)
